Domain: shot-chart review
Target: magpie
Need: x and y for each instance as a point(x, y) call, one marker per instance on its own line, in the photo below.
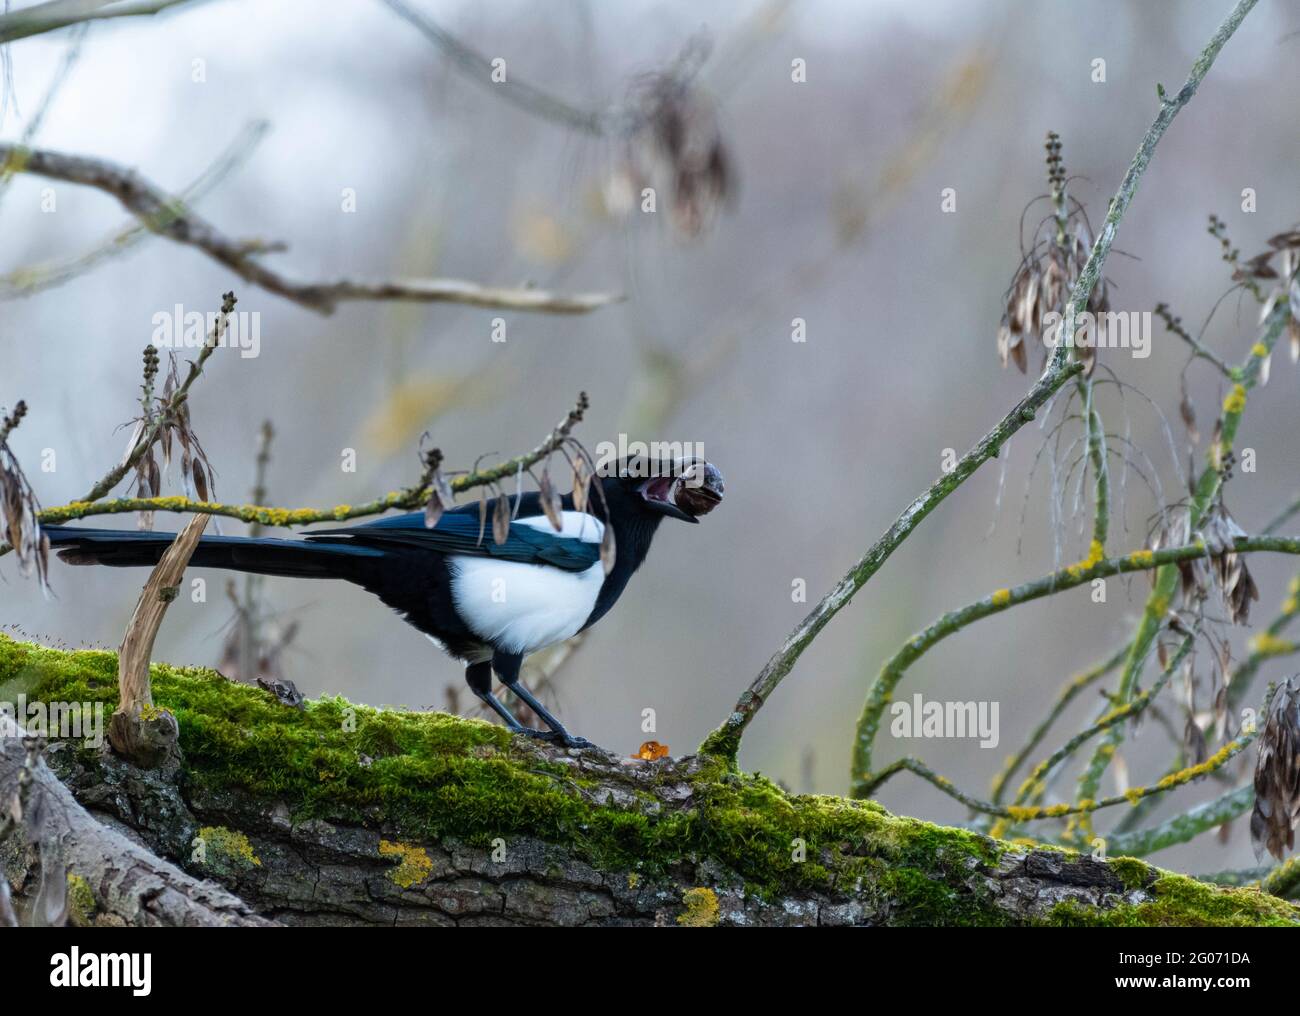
point(485, 603)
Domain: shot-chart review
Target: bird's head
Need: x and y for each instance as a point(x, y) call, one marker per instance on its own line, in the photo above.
point(683, 488)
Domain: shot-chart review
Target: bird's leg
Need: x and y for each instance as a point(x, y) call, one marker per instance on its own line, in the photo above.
point(507, 667)
point(479, 678)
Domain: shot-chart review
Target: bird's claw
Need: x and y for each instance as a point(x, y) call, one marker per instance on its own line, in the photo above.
point(556, 737)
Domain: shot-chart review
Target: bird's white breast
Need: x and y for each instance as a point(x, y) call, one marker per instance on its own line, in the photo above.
point(526, 607)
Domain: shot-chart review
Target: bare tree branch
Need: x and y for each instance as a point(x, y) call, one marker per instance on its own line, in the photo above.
point(167, 215)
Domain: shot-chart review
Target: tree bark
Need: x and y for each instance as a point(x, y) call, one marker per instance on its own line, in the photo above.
point(526, 833)
point(130, 884)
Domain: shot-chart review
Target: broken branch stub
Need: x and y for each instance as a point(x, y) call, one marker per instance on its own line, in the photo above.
point(137, 730)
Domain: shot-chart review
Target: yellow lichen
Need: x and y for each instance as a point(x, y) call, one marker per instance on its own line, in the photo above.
point(1135, 794)
point(1002, 597)
point(701, 909)
point(415, 863)
point(1212, 763)
point(1259, 350)
point(81, 901)
point(228, 844)
point(1268, 644)
point(1236, 400)
point(1142, 558)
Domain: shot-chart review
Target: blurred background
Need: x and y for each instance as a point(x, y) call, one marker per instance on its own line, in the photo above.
point(829, 211)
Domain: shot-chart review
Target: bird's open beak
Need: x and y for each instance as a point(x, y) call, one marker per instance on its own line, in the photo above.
point(693, 491)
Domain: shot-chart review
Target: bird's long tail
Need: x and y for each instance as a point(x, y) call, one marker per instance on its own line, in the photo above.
point(339, 559)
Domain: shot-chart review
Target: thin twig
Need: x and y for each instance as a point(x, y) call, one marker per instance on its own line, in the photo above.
point(1071, 691)
point(1207, 488)
point(56, 14)
point(1003, 599)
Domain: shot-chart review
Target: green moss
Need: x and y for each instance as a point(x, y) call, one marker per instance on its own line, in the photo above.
point(1133, 873)
point(722, 744)
point(1181, 902)
point(424, 777)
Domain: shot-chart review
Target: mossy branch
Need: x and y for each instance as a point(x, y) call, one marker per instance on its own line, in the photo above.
point(429, 819)
point(409, 499)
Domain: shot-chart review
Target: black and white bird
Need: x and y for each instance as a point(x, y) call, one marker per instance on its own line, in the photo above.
point(489, 604)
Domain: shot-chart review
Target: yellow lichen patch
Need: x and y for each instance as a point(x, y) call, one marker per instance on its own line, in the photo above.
point(1267, 644)
point(1002, 597)
point(999, 828)
point(1236, 400)
point(701, 909)
point(415, 863)
point(81, 901)
point(1142, 558)
point(1096, 554)
point(221, 843)
point(1215, 761)
point(342, 511)
point(1259, 350)
point(633, 879)
point(1135, 794)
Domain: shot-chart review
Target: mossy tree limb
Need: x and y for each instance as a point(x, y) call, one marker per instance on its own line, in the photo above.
point(341, 814)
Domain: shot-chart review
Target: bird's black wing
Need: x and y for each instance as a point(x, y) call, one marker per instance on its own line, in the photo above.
point(458, 532)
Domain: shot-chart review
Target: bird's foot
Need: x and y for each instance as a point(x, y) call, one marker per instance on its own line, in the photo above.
point(556, 737)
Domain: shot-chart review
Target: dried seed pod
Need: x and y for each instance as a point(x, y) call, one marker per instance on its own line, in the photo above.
point(501, 519)
point(1277, 775)
point(550, 501)
point(608, 552)
point(580, 482)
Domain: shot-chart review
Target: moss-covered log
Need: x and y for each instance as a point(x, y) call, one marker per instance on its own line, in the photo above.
point(343, 814)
